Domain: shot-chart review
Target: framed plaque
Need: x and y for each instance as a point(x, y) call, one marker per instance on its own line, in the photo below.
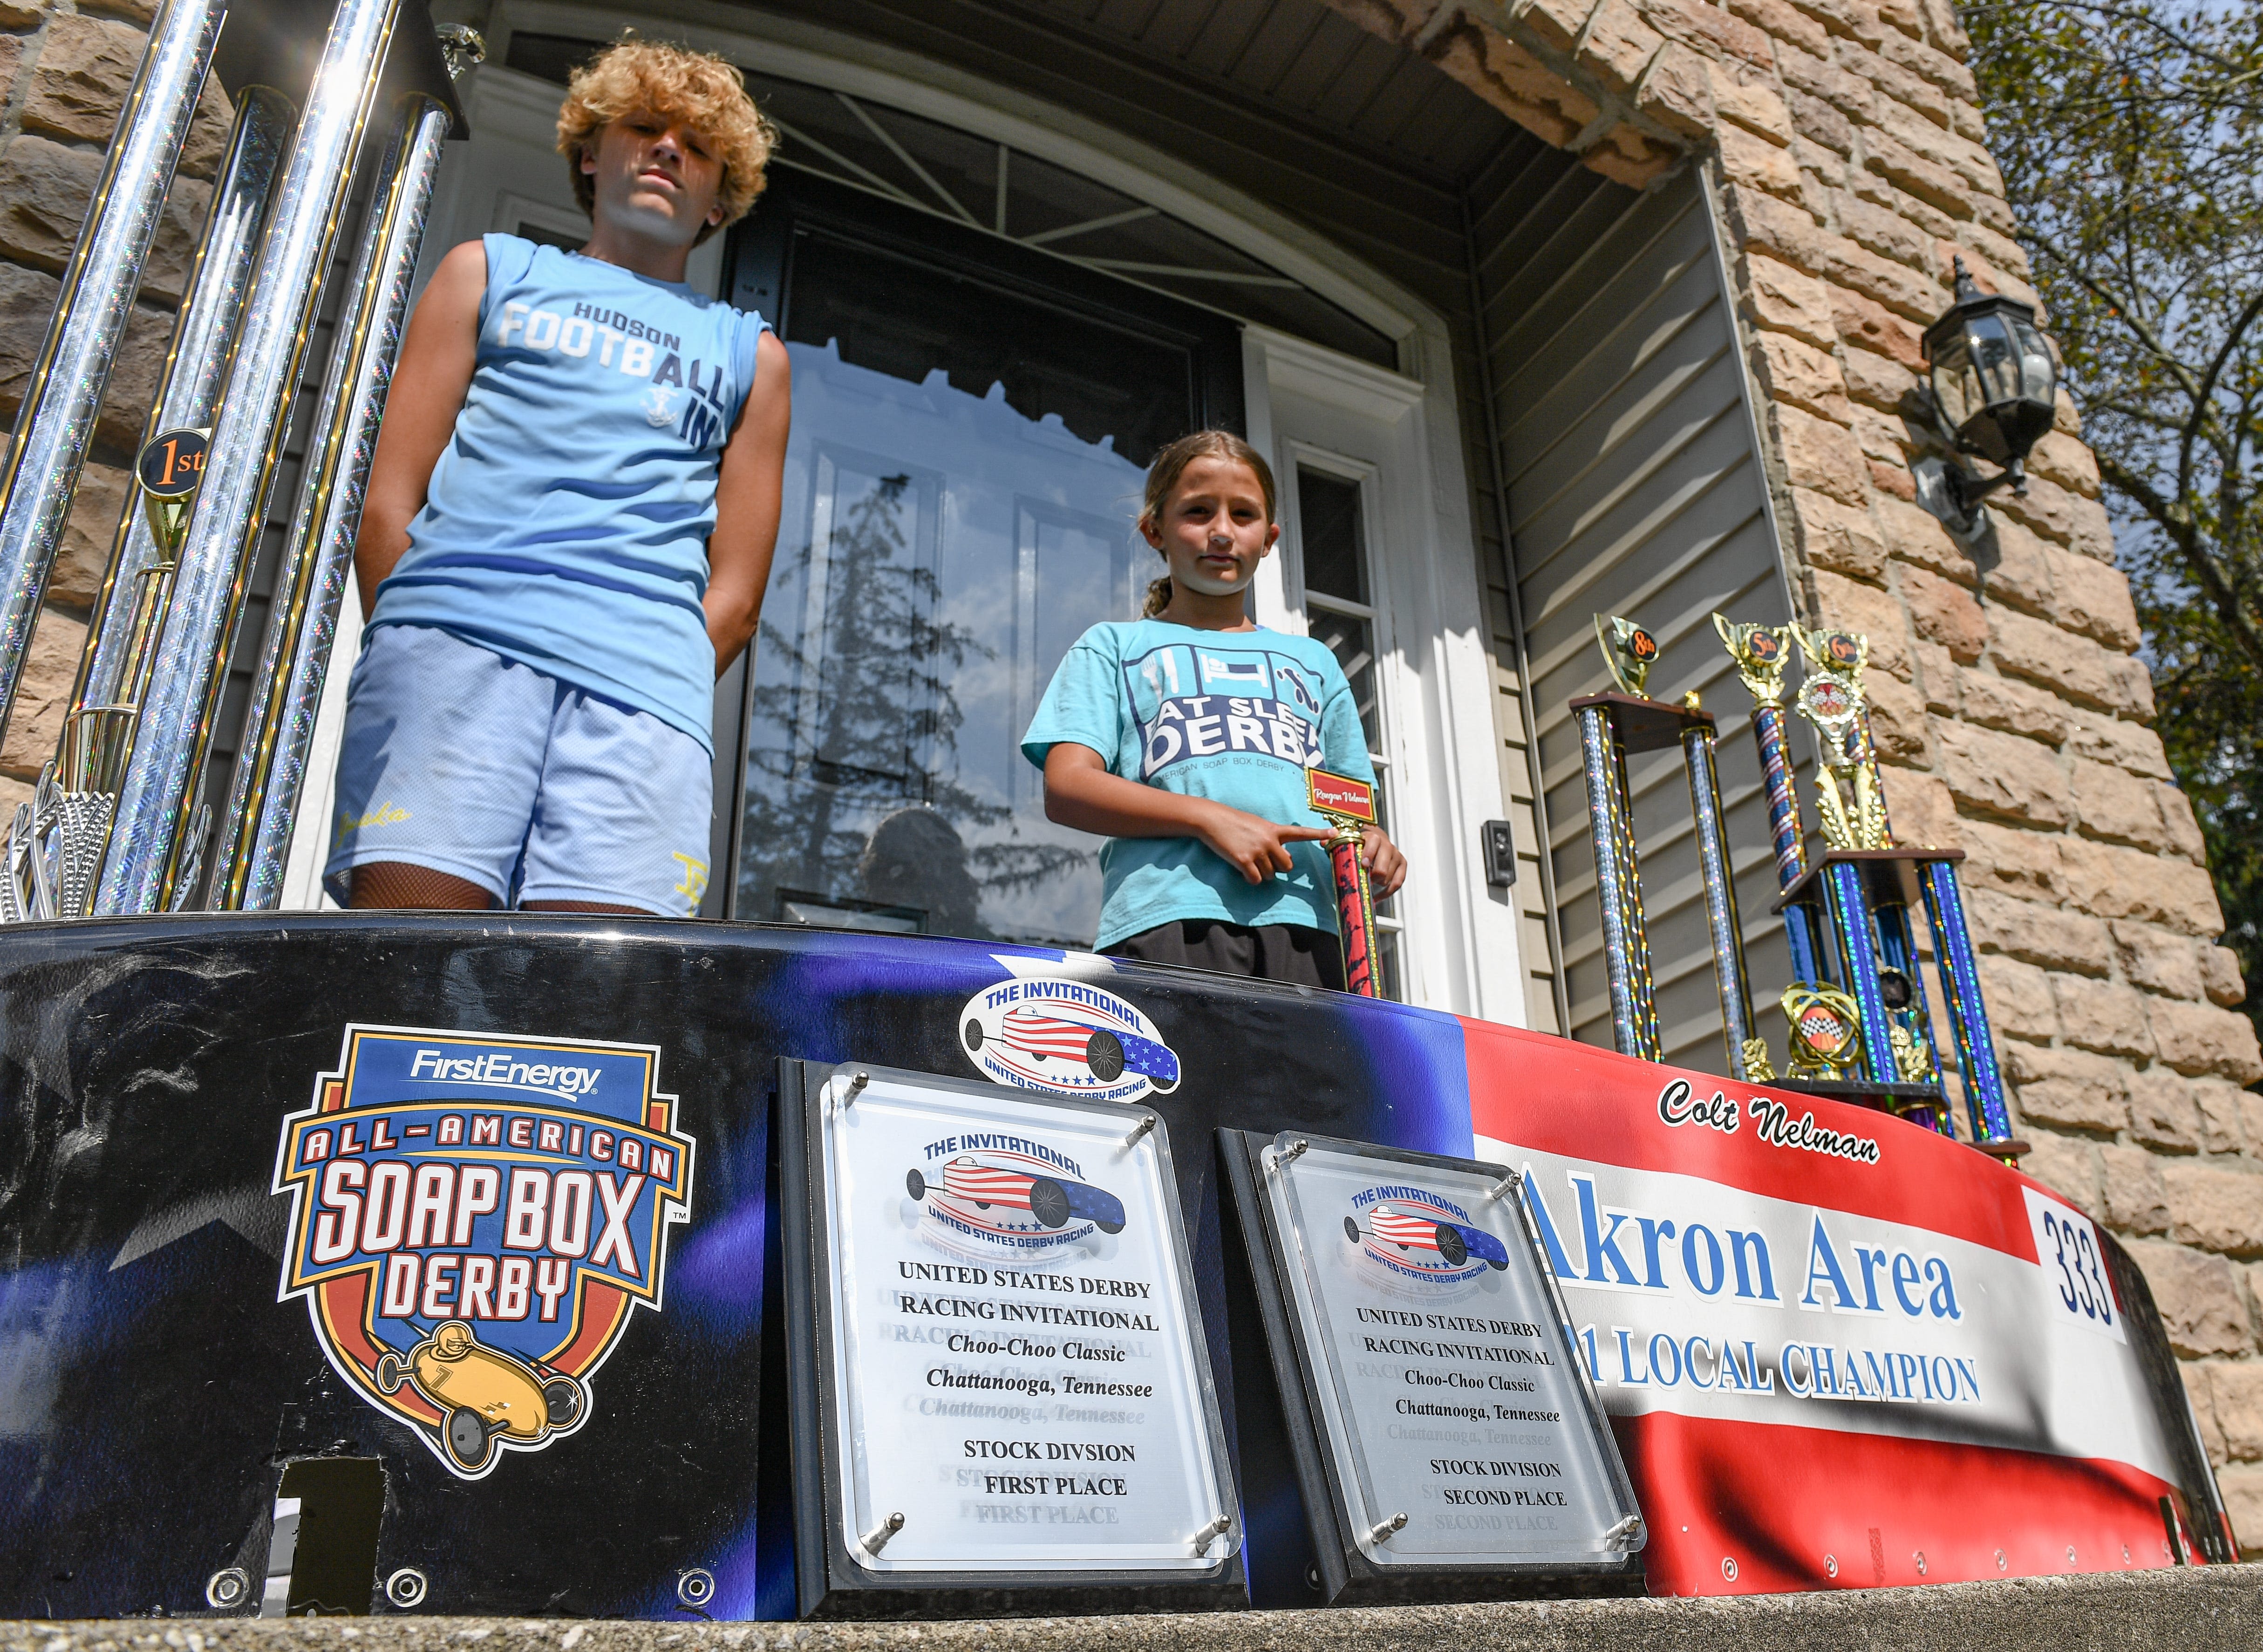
point(1444, 1435)
point(1000, 1397)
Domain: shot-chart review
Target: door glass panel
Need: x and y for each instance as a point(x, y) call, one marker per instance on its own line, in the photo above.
point(1332, 555)
point(1352, 641)
point(1328, 529)
point(964, 473)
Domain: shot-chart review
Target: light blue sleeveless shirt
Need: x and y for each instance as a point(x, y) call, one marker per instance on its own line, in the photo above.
point(566, 523)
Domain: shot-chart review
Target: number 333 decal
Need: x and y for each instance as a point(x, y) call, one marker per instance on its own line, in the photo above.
point(2073, 1264)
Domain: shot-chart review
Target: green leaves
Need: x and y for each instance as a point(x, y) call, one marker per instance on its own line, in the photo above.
point(2130, 136)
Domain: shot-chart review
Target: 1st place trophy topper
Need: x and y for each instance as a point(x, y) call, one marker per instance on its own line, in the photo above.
point(1000, 1396)
point(1446, 1442)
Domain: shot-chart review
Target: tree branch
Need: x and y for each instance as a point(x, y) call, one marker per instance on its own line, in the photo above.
point(2175, 521)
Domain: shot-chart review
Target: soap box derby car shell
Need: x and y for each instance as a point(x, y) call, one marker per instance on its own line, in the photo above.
point(482, 1393)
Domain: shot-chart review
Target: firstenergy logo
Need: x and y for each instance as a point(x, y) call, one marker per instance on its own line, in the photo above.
point(500, 1070)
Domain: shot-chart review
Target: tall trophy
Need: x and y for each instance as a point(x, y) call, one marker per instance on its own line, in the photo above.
point(1612, 725)
point(1860, 894)
point(57, 841)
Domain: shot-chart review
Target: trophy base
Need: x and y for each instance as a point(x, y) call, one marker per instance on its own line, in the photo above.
point(1889, 876)
point(2004, 1148)
point(1862, 1092)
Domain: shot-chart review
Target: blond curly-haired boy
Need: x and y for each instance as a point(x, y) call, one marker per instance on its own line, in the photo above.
point(569, 528)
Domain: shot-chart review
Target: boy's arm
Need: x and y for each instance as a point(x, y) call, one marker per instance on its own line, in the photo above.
point(748, 490)
point(1080, 791)
point(429, 385)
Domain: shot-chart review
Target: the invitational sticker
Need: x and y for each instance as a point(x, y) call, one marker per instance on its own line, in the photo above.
point(1067, 1037)
point(1419, 1235)
point(1010, 1192)
point(473, 1218)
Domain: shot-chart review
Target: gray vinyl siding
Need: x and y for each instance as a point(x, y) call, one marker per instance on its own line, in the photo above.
point(1633, 487)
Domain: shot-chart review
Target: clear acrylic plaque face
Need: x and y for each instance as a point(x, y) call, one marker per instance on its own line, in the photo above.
point(1013, 1371)
point(1446, 1387)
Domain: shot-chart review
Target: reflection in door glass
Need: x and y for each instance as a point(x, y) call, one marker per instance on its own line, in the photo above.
point(1332, 546)
point(940, 552)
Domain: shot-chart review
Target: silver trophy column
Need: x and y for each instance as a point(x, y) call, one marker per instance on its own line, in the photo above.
point(196, 368)
point(1719, 876)
point(151, 864)
point(271, 766)
point(65, 395)
point(1618, 881)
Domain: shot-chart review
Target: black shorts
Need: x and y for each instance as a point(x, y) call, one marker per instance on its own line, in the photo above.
point(1271, 951)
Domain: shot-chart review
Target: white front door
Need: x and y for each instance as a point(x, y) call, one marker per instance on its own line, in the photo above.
point(1364, 568)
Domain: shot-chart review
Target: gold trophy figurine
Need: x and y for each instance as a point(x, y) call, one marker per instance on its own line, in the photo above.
point(1629, 652)
point(1831, 698)
point(1760, 653)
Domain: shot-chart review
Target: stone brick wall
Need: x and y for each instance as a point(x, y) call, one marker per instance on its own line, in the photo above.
point(64, 72)
point(1849, 162)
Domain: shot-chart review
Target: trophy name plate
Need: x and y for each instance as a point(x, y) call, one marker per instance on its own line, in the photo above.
point(1002, 1399)
point(1445, 1435)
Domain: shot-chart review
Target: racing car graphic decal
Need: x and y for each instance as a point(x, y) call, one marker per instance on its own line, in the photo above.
point(1409, 1231)
point(977, 1193)
point(1067, 1036)
point(484, 1395)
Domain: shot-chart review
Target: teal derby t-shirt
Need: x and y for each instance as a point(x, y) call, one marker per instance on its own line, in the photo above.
point(1236, 716)
point(566, 523)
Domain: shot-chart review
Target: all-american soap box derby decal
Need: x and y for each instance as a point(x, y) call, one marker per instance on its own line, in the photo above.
point(1838, 1350)
point(473, 1218)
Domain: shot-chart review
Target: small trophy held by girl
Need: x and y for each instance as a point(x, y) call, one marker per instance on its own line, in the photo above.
point(1184, 737)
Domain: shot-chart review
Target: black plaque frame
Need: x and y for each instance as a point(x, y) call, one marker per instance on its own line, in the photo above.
point(1348, 1578)
point(829, 1582)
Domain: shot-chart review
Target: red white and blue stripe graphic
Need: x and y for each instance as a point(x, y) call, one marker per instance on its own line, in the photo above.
point(1401, 1227)
point(987, 1183)
point(1405, 1226)
point(1029, 1031)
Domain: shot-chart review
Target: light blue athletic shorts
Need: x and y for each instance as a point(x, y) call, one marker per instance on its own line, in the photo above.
point(461, 761)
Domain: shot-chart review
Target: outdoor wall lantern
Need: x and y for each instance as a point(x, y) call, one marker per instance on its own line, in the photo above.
point(1994, 393)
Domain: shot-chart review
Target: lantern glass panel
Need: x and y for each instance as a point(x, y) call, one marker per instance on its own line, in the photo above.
point(2038, 372)
point(1956, 388)
point(1995, 358)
